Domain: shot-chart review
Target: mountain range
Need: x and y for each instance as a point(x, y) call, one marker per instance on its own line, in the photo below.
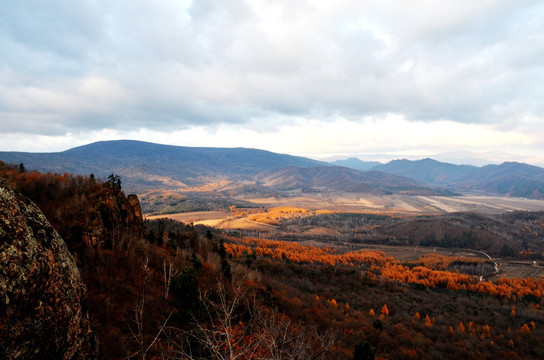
point(509, 178)
point(143, 166)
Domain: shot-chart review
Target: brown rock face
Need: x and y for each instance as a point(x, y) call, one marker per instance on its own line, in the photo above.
point(136, 208)
point(41, 292)
point(110, 219)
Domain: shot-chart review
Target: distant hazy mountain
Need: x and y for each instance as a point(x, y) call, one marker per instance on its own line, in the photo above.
point(510, 178)
point(343, 179)
point(354, 163)
point(143, 164)
point(427, 170)
point(484, 158)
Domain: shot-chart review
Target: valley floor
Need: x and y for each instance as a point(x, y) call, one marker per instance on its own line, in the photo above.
point(400, 204)
point(397, 205)
point(369, 204)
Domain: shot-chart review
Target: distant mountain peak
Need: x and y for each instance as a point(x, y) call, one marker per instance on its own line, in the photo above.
point(357, 164)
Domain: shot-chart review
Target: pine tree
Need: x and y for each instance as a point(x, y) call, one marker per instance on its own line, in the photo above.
point(363, 351)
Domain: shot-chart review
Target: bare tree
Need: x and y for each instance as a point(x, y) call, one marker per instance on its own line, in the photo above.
point(137, 330)
point(169, 270)
point(224, 336)
point(287, 340)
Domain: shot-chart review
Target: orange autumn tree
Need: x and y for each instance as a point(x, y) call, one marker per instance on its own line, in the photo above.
point(442, 262)
point(524, 330)
point(461, 328)
point(378, 264)
point(428, 322)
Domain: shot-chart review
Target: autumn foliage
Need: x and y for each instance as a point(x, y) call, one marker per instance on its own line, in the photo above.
point(388, 267)
point(443, 262)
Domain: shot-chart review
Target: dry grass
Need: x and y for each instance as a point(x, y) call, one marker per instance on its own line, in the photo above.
point(400, 204)
point(193, 217)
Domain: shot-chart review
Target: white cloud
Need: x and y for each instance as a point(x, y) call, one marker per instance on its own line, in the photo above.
point(281, 73)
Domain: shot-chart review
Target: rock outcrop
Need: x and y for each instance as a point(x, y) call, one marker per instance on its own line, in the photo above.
point(136, 208)
point(42, 311)
point(111, 218)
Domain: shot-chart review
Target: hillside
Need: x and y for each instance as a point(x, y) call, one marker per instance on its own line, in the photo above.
point(509, 178)
point(342, 179)
point(427, 170)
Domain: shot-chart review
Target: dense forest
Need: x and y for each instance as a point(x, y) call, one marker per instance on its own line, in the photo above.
point(164, 289)
point(513, 234)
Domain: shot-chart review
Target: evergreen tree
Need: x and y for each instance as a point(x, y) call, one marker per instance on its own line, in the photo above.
point(363, 351)
point(114, 181)
point(186, 296)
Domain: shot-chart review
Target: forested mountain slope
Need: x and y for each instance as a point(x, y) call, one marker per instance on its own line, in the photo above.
point(340, 178)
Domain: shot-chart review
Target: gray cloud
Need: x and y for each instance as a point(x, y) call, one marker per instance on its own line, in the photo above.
point(74, 66)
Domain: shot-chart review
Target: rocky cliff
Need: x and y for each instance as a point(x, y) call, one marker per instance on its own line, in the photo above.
point(110, 218)
point(42, 307)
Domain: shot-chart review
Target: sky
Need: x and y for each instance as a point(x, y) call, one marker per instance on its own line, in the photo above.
point(313, 78)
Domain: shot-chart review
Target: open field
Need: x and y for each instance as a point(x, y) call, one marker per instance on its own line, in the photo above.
point(520, 269)
point(194, 217)
point(402, 205)
point(217, 219)
point(246, 224)
point(398, 204)
point(170, 201)
point(412, 253)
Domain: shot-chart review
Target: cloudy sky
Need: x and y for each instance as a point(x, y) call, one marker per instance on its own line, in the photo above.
point(313, 78)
